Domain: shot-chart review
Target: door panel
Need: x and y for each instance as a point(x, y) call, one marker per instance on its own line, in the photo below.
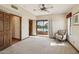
point(6, 30)
point(1, 24)
point(7, 38)
point(1, 31)
point(6, 26)
point(6, 15)
point(1, 15)
point(6, 23)
point(42, 27)
point(1, 39)
point(30, 27)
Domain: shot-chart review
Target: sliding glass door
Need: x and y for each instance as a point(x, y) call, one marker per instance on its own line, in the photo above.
point(42, 27)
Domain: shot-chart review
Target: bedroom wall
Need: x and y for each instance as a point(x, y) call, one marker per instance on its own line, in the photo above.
point(56, 22)
point(20, 12)
point(34, 27)
point(59, 23)
point(74, 37)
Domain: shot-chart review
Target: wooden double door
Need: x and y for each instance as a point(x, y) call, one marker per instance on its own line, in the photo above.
point(5, 30)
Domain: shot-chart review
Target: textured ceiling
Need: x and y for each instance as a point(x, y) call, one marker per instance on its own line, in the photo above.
point(57, 8)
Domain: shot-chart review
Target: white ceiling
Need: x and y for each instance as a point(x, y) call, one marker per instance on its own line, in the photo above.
point(57, 8)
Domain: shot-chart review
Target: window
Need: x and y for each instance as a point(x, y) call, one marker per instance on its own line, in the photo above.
point(42, 26)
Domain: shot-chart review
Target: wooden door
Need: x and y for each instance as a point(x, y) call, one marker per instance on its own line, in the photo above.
point(16, 27)
point(1, 30)
point(30, 27)
point(7, 29)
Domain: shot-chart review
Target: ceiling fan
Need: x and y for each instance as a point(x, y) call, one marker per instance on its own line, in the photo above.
point(43, 7)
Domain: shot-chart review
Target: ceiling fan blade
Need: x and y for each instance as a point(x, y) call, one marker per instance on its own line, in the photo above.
point(46, 10)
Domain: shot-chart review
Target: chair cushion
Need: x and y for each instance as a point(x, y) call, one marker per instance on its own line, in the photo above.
point(59, 36)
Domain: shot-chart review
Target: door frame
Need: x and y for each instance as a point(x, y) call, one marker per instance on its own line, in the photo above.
point(31, 26)
point(20, 26)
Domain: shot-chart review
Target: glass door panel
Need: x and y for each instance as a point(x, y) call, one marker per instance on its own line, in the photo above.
point(42, 27)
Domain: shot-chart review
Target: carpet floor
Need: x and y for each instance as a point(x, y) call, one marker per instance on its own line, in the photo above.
point(39, 45)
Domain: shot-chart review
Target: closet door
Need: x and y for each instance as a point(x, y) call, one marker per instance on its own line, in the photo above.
point(1, 31)
point(6, 29)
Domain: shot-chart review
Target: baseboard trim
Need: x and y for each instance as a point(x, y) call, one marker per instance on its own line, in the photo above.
point(73, 46)
point(25, 38)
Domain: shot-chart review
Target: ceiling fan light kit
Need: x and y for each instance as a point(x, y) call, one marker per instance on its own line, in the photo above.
point(42, 7)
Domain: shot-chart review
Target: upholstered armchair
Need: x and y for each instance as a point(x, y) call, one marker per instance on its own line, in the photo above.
point(61, 35)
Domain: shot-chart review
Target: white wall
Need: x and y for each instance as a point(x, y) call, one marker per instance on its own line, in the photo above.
point(74, 37)
point(20, 12)
point(56, 22)
point(59, 23)
point(25, 27)
point(34, 27)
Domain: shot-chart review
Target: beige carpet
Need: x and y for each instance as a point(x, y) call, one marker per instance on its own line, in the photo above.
point(39, 45)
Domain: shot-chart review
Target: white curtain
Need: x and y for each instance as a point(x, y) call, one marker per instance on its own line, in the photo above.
point(50, 28)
